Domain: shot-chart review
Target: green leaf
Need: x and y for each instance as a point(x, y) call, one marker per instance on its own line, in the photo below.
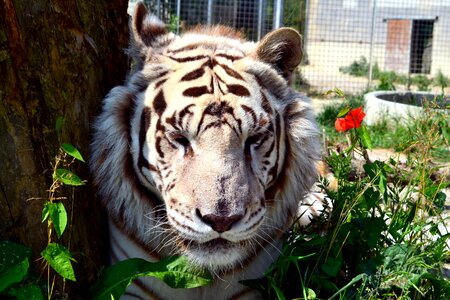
point(332, 266)
point(280, 295)
point(343, 112)
point(336, 91)
point(371, 197)
point(395, 256)
point(174, 271)
point(372, 228)
point(67, 177)
point(28, 292)
point(59, 258)
point(58, 215)
point(14, 263)
point(329, 92)
point(365, 137)
point(339, 92)
point(311, 294)
point(352, 282)
point(59, 218)
point(371, 169)
point(46, 211)
point(375, 169)
point(382, 184)
point(72, 151)
point(410, 218)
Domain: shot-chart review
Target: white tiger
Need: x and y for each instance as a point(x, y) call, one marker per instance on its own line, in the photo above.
point(204, 152)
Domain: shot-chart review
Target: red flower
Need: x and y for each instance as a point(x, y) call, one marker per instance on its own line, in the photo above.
point(353, 119)
point(341, 124)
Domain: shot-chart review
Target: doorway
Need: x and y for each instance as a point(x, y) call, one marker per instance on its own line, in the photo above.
point(421, 46)
point(409, 45)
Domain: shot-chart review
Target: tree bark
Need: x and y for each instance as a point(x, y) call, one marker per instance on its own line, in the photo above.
point(57, 59)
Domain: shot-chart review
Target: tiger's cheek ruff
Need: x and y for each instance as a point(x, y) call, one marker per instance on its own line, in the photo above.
point(204, 152)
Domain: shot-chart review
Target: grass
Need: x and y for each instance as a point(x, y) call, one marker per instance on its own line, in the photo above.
point(385, 236)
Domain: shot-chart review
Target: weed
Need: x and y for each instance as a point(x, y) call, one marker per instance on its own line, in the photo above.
point(422, 82)
point(358, 68)
point(56, 258)
point(441, 81)
point(385, 237)
point(388, 79)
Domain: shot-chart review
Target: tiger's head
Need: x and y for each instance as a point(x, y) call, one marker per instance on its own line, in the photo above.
point(206, 151)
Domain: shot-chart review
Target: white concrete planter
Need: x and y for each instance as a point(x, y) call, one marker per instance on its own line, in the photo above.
point(396, 105)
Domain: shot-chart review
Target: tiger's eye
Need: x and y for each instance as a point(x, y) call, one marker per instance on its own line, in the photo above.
point(251, 141)
point(181, 140)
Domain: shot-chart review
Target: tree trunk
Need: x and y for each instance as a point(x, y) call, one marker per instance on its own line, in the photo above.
point(57, 59)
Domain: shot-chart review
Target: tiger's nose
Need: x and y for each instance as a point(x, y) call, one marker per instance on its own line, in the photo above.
point(219, 223)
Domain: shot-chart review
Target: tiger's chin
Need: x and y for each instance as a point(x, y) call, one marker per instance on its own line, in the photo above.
point(216, 255)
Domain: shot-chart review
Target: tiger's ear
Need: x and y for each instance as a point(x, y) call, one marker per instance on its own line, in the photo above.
point(282, 48)
point(146, 28)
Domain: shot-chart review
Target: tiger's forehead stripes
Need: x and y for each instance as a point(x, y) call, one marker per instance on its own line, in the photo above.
point(220, 113)
point(212, 68)
point(190, 47)
point(177, 120)
point(212, 74)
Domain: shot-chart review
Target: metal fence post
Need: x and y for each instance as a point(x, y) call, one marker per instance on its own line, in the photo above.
point(372, 29)
point(305, 33)
point(209, 12)
point(178, 15)
point(260, 19)
point(158, 9)
point(278, 12)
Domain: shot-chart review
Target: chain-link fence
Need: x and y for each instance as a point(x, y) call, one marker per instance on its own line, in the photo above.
point(384, 44)
point(254, 18)
point(349, 44)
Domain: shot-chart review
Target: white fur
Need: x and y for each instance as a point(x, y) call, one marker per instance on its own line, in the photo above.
point(139, 225)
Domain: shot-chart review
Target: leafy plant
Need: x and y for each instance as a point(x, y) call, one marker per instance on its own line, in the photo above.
point(15, 279)
point(360, 68)
point(18, 281)
point(384, 237)
point(174, 23)
point(56, 256)
point(176, 272)
point(441, 81)
point(387, 80)
point(422, 82)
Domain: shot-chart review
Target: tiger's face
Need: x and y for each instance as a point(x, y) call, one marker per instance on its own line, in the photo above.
point(211, 147)
point(206, 151)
